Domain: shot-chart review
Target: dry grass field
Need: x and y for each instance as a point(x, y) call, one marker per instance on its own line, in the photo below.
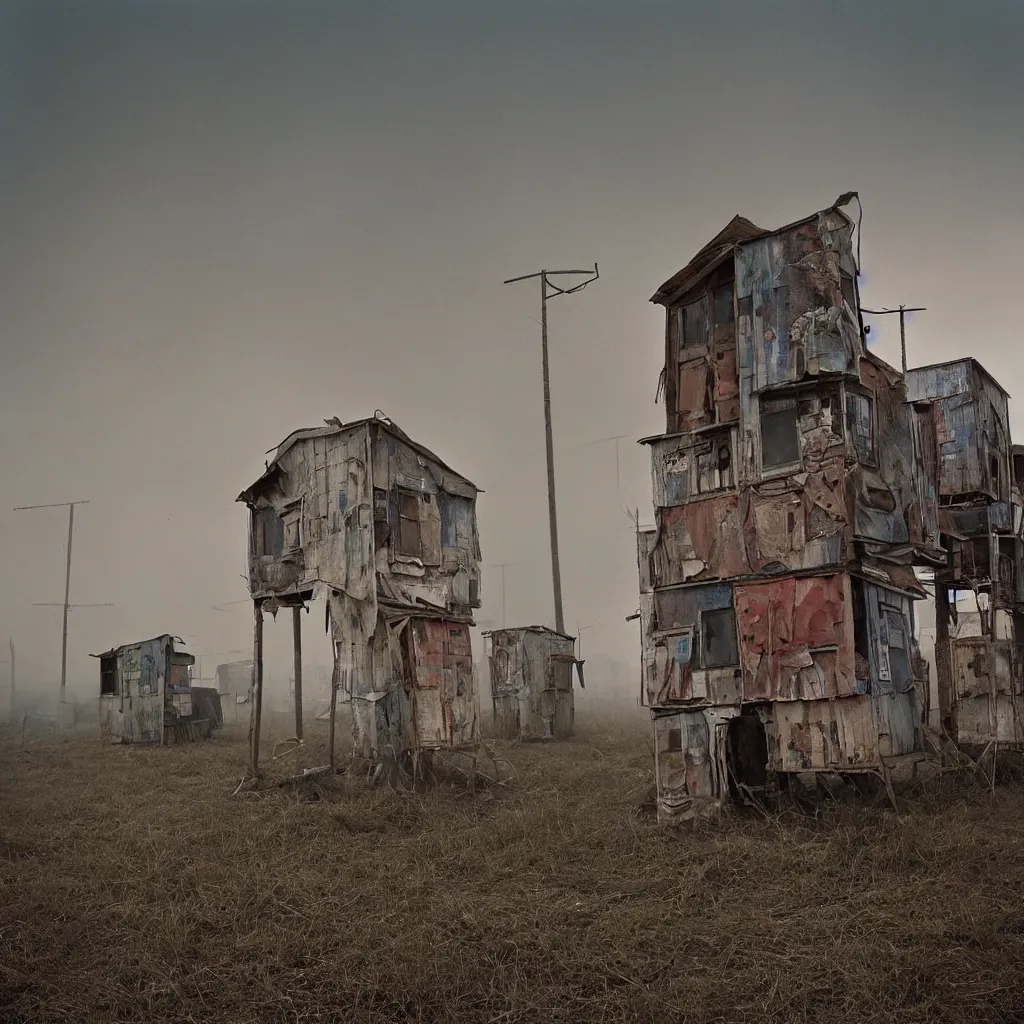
point(135, 887)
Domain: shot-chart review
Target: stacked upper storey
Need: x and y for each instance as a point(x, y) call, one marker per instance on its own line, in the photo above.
point(788, 447)
point(363, 510)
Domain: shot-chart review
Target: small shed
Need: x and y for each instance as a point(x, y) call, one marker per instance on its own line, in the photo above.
point(531, 682)
point(234, 677)
point(146, 695)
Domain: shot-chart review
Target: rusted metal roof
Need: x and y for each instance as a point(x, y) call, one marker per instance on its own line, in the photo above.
point(712, 255)
point(115, 651)
point(528, 629)
point(739, 229)
point(919, 376)
point(335, 426)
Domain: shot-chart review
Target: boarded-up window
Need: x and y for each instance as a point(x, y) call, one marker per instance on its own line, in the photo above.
point(718, 638)
point(898, 649)
point(859, 424)
point(849, 296)
point(693, 320)
point(780, 441)
point(108, 677)
point(268, 532)
point(292, 531)
point(409, 524)
point(430, 531)
point(723, 312)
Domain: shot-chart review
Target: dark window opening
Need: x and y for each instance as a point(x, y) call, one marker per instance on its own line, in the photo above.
point(831, 406)
point(409, 524)
point(292, 533)
point(780, 440)
point(899, 653)
point(723, 311)
point(675, 741)
point(268, 531)
point(859, 424)
point(849, 295)
point(994, 471)
point(746, 755)
point(694, 323)
point(474, 591)
point(108, 677)
point(718, 638)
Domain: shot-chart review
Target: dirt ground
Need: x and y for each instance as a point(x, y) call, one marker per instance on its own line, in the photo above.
point(135, 887)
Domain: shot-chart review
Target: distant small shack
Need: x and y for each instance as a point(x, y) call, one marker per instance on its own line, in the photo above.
point(234, 677)
point(531, 682)
point(146, 695)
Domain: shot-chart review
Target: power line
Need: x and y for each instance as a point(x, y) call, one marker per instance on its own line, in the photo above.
point(903, 333)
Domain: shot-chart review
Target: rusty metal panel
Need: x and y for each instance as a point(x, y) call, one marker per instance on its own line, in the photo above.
point(695, 394)
point(690, 762)
point(792, 314)
point(824, 734)
point(925, 479)
point(684, 469)
point(679, 670)
point(700, 541)
point(978, 721)
point(971, 414)
point(531, 683)
point(987, 693)
point(444, 692)
point(796, 638)
point(645, 541)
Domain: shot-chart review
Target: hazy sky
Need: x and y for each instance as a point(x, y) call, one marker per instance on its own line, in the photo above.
point(223, 221)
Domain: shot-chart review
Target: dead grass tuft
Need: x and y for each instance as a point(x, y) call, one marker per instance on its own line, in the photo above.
point(135, 887)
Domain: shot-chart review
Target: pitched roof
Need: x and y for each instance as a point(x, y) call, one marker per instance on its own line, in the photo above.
point(739, 229)
point(335, 426)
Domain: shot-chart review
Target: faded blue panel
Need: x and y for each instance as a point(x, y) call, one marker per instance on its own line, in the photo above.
point(684, 648)
point(1001, 515)
point(389, 722)
point(681, 608)
point(675, 488)
point(463, 522)
point(754, 281)
point(342, 502)
point(447, 514)
point(877, 524)
point(148, 667)
point(898, 715)
point(931, 382)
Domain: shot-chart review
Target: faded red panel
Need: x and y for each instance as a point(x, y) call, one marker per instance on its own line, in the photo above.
point(727, 386)
point(177, 675)
point(673, 676)
point(702, 540)
point(795, 638)
point(694, 394)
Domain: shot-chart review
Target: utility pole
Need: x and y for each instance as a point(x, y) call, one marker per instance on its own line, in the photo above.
point(501, 566)
point(70, 506)
point(552, 291)
point(10, 661)
point(903, 330)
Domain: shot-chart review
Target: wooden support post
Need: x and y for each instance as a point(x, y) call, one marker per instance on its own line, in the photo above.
point(943, 658)
point(257, 683)
point(12, 679)
point(334, 703)
point(297, 636)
